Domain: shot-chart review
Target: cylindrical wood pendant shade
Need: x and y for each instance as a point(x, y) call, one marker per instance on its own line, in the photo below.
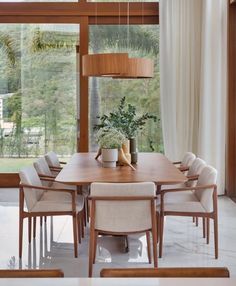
point(138, 68)
point(105, 65)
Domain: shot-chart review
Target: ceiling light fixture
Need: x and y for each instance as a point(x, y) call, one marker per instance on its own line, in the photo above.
point(117, 65)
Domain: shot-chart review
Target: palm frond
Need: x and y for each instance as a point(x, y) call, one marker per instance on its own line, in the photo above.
point(7, 47)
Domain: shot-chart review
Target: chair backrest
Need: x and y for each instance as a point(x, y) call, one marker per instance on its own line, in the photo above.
point(125, 215)
point(52, 159)
point(188, 159)
point(41, 166)
point(194, 170)
point(29, 176)
point(215, 272)
point(208, 176)
point(31, 273)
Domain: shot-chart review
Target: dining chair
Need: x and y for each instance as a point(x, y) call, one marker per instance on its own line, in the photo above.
point(31, 273)
point(46, 201)
point(48, 179)
point(186, 162)
point(190, 272)
point(201, 202)
point(53, 161)
point(122, 209)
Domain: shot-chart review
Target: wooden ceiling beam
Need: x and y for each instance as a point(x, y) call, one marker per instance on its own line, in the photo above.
point(115, 9)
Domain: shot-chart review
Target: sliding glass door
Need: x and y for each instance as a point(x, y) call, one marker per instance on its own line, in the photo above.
point(38, 77)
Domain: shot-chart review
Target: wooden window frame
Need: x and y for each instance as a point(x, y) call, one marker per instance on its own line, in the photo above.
point(85, 14)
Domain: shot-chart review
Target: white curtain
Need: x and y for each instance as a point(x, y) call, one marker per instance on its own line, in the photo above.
point(193, 79)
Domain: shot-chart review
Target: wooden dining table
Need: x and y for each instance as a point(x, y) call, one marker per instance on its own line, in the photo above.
point(83, 169)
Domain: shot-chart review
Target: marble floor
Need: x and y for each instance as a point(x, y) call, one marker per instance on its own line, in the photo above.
point(53, 248)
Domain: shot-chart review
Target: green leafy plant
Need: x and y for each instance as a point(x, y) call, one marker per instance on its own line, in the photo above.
point(125, 119)
point(110, 138)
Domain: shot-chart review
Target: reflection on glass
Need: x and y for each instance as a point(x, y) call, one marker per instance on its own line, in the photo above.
point(106, 93)
point(37, 91)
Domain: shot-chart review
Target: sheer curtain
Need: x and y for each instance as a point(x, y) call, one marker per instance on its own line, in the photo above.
point(193, 79)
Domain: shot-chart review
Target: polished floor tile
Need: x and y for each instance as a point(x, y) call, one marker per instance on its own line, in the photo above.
point(53, 246)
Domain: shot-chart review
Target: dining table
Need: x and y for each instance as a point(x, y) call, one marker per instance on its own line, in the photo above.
point(83, 169)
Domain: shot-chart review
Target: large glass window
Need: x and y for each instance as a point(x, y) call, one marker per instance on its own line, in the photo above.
point(37, 92)
point(106, 93)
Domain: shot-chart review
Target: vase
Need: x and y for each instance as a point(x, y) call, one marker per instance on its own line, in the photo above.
point(133, 150)
point(109, 158)
point(126, 150)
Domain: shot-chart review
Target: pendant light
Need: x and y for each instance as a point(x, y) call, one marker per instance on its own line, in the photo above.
point(117, 65)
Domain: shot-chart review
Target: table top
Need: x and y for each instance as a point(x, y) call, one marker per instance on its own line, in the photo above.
point(151, 167)
point(118, 281)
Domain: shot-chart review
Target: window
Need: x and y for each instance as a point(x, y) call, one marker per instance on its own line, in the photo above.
point(37, 92)
point(106, 93)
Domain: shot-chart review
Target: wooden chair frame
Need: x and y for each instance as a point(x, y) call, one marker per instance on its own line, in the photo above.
point(31, 273)
point(214, 272)
point(206, 216)
point(77, 218)
point(95, 232)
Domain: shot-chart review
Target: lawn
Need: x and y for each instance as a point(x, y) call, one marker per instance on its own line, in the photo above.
point(13, 165)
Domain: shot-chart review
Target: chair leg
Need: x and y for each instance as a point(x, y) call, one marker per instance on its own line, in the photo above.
point(79, 227)
point(45, 219)
point(41, 221)
point(87, 208)
point(75, 235)
point(161, 221)
point(208, 230)
point(148, 247)
point(216, 236)
point(29, 229)
point(193, 219)
point(196, 221)
point(82, 225)
point(84, 217)
point(20, 235)
point(34, 226)
point(91, 251)
point(204, 227)
point(95, 246)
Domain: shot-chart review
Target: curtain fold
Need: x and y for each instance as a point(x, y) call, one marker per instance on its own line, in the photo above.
point(193, 79)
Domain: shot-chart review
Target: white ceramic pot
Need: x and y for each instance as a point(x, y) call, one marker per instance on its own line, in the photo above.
point(109, 158)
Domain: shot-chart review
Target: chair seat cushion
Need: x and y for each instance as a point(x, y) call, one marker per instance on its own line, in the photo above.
point(188, 207)
point(57, 201)
point(178, 197)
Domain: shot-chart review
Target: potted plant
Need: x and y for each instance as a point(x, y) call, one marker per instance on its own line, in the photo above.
point(126, 120)
point(110, 140)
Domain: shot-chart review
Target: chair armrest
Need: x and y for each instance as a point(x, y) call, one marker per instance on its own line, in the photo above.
point(55, 169)
point(193, 178)
point(163, 192)
point(46, 188)
point(49, 179)
point(183, 168)
point(46, 176)
point(62, 162)
point(175, 163)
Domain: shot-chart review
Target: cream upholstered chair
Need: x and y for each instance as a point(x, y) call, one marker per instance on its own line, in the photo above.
point(201, 202)
point(48, 179)
point(53, 161)
point(46, 175)
point(52, 169)
point(46, 201)
point(122, 209)
point(186, 162)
